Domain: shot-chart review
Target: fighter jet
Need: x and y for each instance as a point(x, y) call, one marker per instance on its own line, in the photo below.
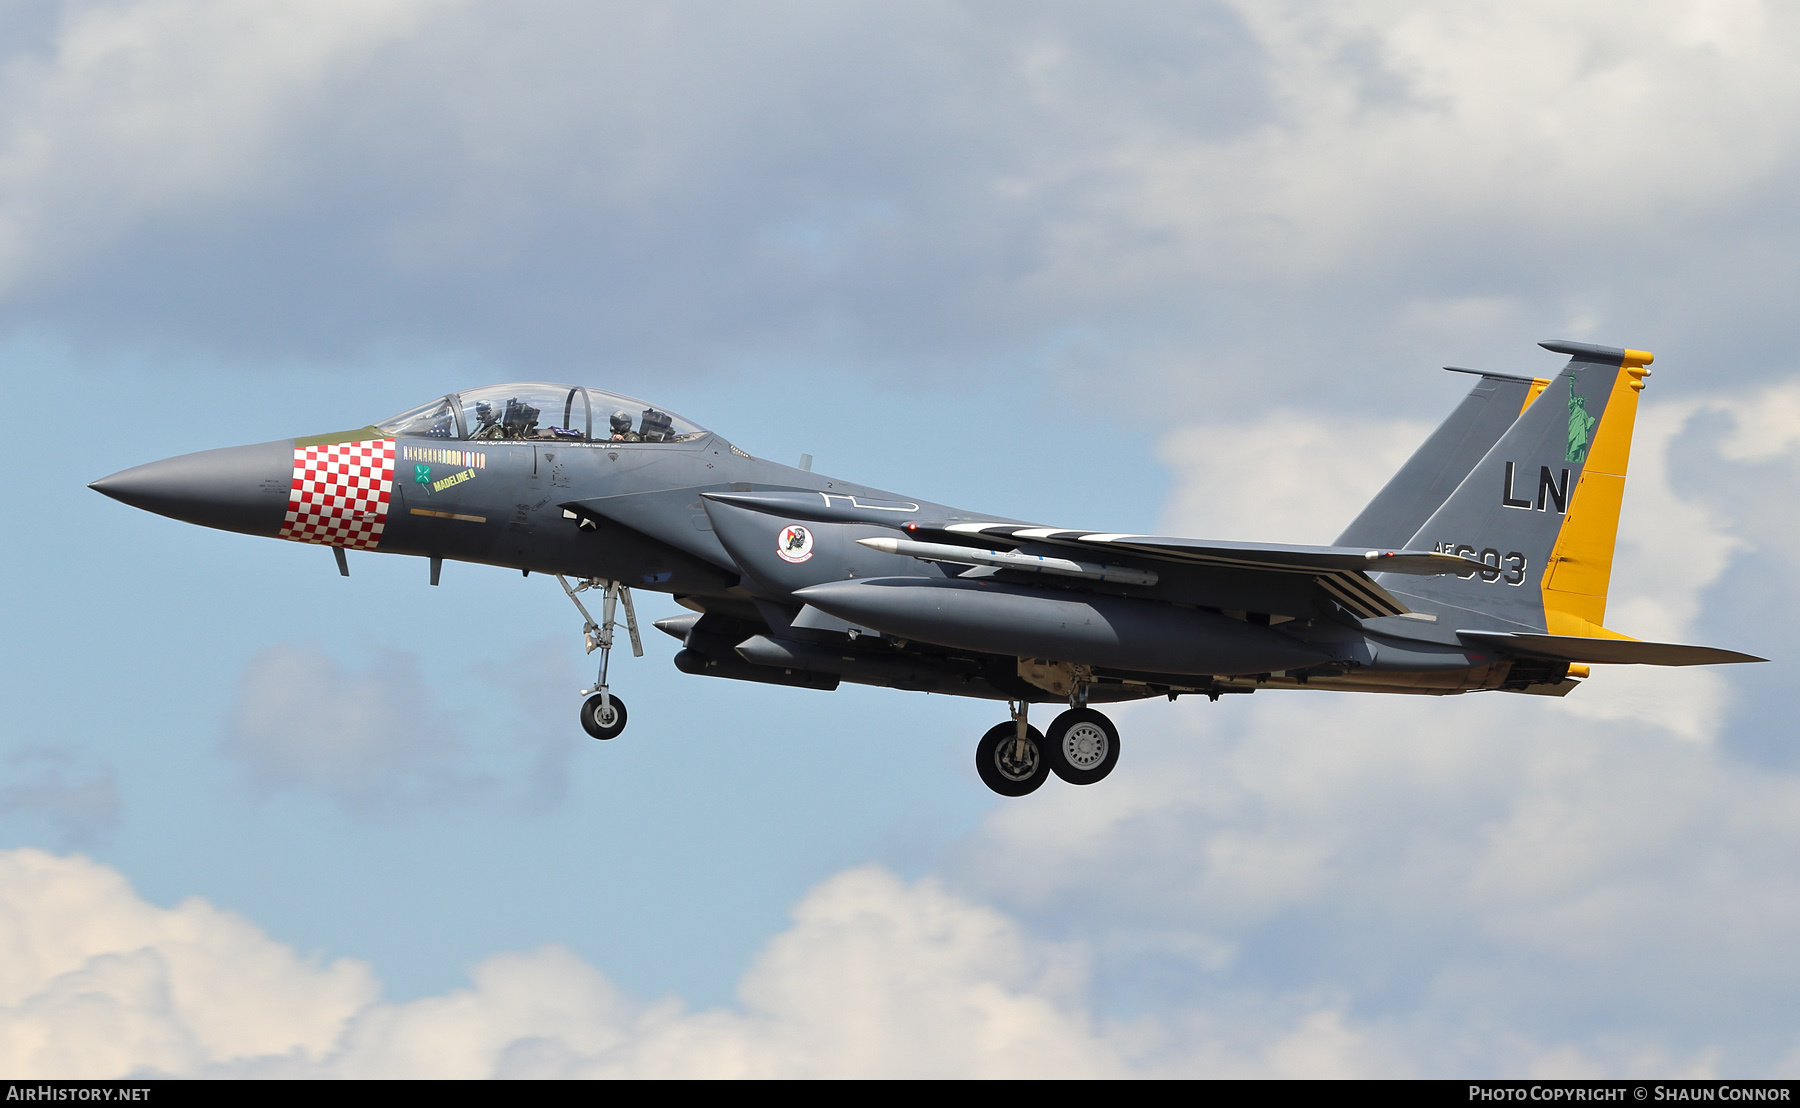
point(1483, 565)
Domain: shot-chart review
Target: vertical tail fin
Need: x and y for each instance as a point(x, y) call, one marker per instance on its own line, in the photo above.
point(1439, 465)
point(1542, 506)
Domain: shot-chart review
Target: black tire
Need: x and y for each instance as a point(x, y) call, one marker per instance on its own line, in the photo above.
point(603, 728)
point(1083, 746)
point(1000, 770)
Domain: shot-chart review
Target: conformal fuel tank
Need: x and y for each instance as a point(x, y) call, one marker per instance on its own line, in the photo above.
point(1086, 628)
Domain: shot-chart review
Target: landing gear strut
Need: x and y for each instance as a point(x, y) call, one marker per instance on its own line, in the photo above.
point(603, 715)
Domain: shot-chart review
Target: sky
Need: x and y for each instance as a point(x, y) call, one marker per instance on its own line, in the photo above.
point(1187, 268)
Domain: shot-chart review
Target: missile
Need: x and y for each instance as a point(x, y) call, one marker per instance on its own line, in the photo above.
point(1114, 632)
point(1008, 559)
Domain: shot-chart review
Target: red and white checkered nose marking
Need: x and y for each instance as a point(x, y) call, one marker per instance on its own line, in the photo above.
point(340, 494)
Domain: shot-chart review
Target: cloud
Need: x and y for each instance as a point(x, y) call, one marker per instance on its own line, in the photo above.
point(373, 743)
point(1478, 884)
point(874, 977)
point(592, 174)
point(1286, 477)
point(94, 982)
point(1166, 196)
point(1396, 122)
point(384, 741)
point(139, 111)
point(535, 686)
point(79, 800)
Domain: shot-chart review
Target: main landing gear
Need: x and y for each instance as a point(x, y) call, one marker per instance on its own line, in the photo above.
point(603, 714)
point(1015, 758)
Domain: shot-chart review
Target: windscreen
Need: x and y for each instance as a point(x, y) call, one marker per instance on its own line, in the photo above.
point(436, 420)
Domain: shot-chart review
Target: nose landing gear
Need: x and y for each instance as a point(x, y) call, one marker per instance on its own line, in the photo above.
point(603, 714)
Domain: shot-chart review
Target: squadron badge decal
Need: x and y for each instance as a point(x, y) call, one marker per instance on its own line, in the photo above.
point(795, 544)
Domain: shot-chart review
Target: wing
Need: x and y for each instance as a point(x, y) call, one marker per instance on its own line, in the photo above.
point(1342, 572)
point(1252, 555)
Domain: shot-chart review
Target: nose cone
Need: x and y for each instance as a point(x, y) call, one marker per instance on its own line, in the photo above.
point(239, 488)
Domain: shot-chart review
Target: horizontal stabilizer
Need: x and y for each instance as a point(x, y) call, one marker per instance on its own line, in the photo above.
point(1574, 648)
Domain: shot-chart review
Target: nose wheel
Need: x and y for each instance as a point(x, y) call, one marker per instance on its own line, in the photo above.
point(603, 714)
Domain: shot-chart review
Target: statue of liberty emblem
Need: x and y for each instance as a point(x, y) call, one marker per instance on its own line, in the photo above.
point(1581, 427)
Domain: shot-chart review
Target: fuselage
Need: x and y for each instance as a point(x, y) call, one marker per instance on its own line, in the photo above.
point(777, 562)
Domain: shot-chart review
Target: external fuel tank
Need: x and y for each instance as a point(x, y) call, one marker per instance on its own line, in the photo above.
point(1065, 625)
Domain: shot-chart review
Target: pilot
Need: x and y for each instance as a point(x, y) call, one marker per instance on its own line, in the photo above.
point(486, 426)
point(621, 427)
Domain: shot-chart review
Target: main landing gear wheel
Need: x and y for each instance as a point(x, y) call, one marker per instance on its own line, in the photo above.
point(1083, 746)
point(1009, 767)
point(603, 717)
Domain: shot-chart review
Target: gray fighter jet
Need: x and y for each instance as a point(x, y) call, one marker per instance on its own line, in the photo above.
point(1482, 565)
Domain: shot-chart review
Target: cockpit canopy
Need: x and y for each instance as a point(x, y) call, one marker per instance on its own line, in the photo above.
point(542, 413)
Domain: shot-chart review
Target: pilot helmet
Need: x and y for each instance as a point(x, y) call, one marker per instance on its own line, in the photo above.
point(621, 421)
